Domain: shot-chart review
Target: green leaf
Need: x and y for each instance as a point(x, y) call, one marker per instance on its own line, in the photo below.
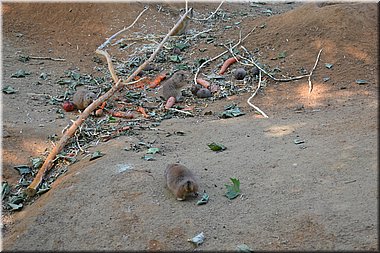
point(181, 46)
point(153, 150)
point(111, 119)
point(203, 200)
point(360, 81)
point(175, 58)
point(231, 111)
point(17, 199)
point(15, 206)
point(43, 188)
point(37, 162)
point(23, 169)
point(23, 58)
point(181, 67)
point(233, 190)
point(281, 55)
point(5, 189)
point(216, 146)
point(9, 90)
point(65, 81)
point(244, 248)
point(148, 158)
point(96, 155)
point(20, 73)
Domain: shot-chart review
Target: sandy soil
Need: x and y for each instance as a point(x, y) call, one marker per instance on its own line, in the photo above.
point(319, 195)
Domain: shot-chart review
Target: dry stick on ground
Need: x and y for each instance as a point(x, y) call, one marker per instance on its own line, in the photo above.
point(311, 72)
point(221, 54)
point(212, 13)
point(32, 188)
point(249, 99)
point(46, 58)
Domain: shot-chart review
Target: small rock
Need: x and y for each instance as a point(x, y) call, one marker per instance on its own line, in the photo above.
point(255, 71)
point(240, 73)
point(204, 93)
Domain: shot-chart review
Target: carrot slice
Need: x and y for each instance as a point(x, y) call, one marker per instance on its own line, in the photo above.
point(142, 111)
point(204, 83)
point(226, 64)
point(126, 115)
point(170, 102)
point(157, 80)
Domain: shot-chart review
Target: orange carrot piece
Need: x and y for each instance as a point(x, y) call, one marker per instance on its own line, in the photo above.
point(170, 102)
point(157, 80)
point(204, 83)
point(118, 114)
point(142, 111)
point(226, 64)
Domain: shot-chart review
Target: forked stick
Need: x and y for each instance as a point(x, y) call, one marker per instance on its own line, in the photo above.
point(32, 188)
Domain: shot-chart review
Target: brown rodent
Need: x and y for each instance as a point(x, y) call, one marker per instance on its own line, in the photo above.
point(181, 29)
point(83, 98)
point(172, 86)
point(180, 181)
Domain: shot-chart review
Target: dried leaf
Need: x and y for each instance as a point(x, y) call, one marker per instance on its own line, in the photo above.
point(198, 239)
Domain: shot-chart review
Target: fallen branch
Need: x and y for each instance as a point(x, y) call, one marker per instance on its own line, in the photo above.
point(249, 99)
point(32, 188)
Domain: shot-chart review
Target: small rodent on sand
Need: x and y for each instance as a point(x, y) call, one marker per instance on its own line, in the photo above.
point(83, 98)
point(180, 181)
point(172, 86)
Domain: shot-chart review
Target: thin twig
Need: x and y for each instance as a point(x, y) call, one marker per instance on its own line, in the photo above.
point(221, 54)
point(184, 112)
point(253, 63)
point(254, 93)
point(212, 13)
point(46, 58)
point(311, 72)
point(109, 62)
point(196, 35)
point(121, 31)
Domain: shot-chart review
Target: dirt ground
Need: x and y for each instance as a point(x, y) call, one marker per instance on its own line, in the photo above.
point(318, 195)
